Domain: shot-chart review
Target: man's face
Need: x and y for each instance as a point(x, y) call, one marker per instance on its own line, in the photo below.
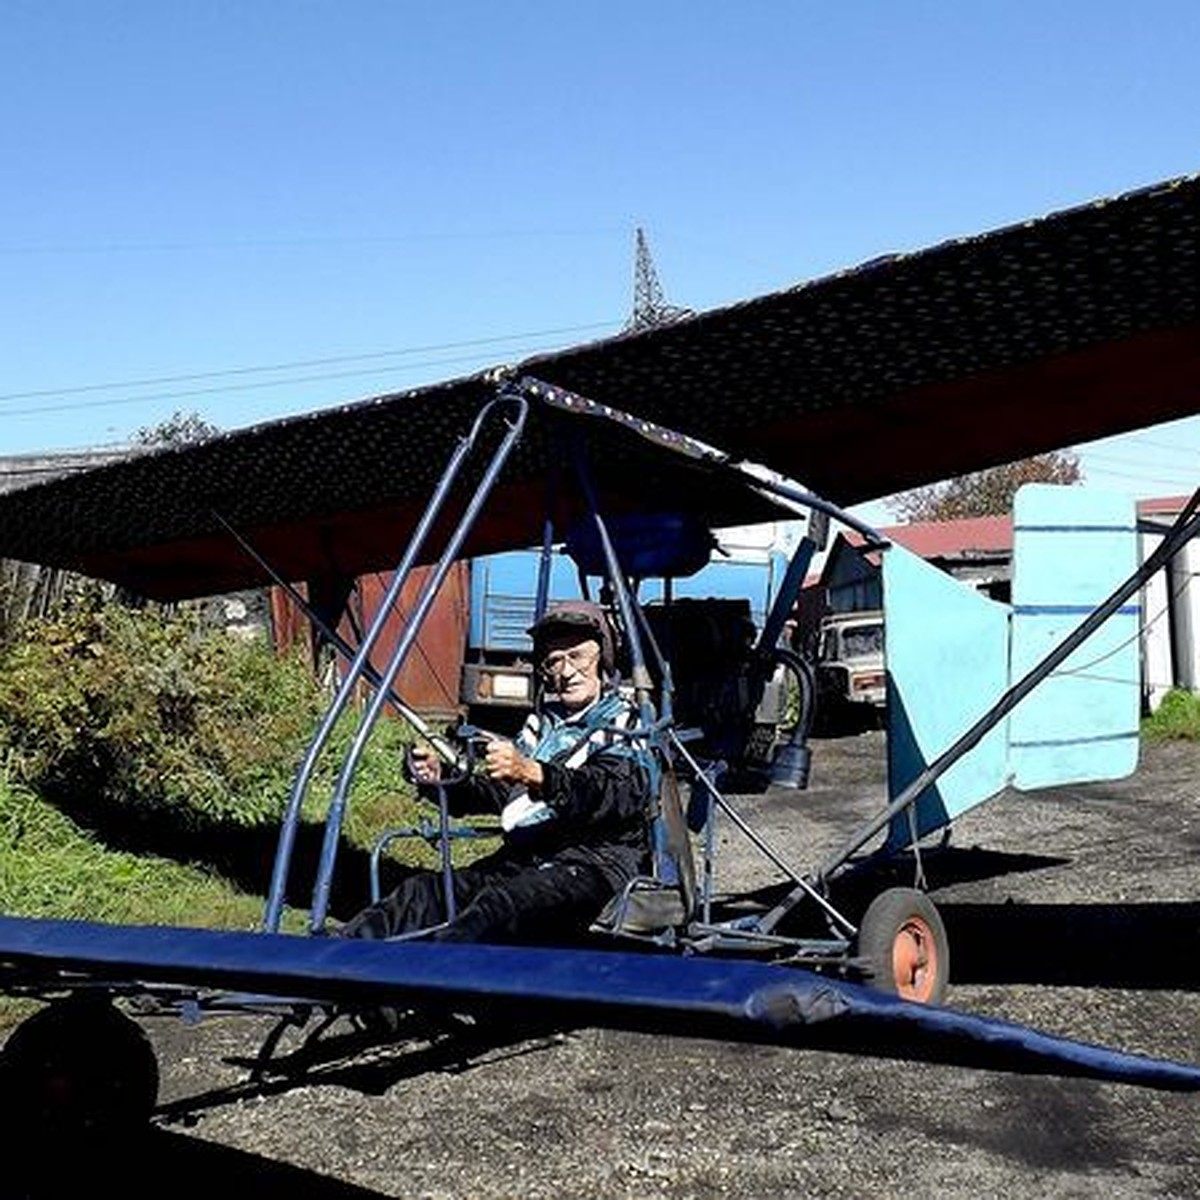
point(570, 666)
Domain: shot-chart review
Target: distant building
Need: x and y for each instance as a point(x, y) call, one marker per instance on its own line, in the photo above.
point(978, 551)
point(975, 550)
point(1170, 608)
point(23, 470)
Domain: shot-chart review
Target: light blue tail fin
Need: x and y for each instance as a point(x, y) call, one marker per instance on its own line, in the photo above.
point(947, 663)
point(951, 654)
point(1071, 550)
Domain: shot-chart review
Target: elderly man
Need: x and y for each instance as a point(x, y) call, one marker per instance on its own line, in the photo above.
point(573, 794)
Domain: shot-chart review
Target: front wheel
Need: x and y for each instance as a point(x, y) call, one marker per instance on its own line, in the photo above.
point(78, 1068)
point(904, 946)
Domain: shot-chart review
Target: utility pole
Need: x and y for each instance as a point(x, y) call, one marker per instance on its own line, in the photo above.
point(650, 307)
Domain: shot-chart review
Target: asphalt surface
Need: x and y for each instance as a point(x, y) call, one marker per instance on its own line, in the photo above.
point(1076, 911)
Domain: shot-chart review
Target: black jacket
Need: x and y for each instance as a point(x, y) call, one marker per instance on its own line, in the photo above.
point(601, 811)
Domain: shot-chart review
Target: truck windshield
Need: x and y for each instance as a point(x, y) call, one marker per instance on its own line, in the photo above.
point(859, 641)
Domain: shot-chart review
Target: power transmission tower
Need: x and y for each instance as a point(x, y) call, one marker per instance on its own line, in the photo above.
point(650, 307)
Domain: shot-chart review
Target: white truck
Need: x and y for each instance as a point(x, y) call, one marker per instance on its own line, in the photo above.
point(851, 676)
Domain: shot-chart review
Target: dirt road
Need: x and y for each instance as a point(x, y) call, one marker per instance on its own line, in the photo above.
point(1076, 911)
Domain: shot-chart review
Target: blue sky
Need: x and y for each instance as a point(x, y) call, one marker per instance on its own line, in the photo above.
point(261, 208)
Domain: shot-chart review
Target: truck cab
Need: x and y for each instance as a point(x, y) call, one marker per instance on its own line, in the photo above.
point(727, 584)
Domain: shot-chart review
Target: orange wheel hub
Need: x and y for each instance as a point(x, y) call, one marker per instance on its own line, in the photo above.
point(915, 960)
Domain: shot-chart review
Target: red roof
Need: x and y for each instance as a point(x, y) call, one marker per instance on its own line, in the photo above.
point(977, 535)
point(1162, 506)
point(943, 539)
point(988, 535)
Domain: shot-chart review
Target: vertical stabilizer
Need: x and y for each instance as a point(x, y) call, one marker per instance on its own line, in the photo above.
point(1072, 547)
point(947, 662)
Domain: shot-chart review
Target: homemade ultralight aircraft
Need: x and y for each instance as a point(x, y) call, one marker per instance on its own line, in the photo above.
point(976, 352)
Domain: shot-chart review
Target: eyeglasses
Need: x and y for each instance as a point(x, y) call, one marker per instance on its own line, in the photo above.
point(578, 659)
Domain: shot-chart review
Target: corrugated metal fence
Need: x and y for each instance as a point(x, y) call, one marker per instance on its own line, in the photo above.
point(28, 591)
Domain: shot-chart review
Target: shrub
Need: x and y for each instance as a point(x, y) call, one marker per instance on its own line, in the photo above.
point(135, 707)
point(1178, 716)
point(178, 742)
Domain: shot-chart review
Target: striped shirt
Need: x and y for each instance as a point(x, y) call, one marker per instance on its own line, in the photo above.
point(569, 740)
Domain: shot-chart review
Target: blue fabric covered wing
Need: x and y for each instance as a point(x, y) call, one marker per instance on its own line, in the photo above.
point(655, 992)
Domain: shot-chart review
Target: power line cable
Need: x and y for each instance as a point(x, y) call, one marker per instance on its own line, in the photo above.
point(1179, 478)
point(304, 362)
point(1123, 461)
point(292, 242)
point(191, 393)
point(1152, 443)
point(1083, 670)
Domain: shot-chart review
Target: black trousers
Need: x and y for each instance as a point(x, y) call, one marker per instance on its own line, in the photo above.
point(504, 897)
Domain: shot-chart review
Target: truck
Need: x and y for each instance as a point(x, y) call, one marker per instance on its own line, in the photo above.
point(850, 670)
point(473, 656)
point(724, 602)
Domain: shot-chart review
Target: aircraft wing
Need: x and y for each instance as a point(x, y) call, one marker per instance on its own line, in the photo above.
point(905, 370)
point(699, 996)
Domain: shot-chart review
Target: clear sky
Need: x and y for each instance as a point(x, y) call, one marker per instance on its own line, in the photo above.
point(249, 208)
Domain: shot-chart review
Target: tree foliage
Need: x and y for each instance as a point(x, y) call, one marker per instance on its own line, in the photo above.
point(984, 493)
point(179, 429)
point(150, 713)
point(130, 733)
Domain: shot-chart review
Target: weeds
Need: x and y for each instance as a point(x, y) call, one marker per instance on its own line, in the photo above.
point(138, 745)
point(1176, 718)
point(51, 868)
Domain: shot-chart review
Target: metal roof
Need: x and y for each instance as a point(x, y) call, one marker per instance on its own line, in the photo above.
point(963, 536)
point(22, 470)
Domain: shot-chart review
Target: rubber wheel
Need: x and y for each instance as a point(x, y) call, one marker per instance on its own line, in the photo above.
point(79, 1069)
point(904, 945)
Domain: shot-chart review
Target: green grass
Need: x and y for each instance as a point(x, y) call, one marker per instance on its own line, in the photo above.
point(1176, 718)
point(51, 868)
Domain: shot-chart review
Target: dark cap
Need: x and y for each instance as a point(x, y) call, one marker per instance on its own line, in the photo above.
point(580, 617)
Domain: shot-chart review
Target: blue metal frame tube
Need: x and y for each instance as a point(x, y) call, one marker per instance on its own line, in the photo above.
point(337, 806)
point(642, 682)
point(357, 668)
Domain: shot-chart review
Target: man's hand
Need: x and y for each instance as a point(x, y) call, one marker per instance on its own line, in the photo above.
point(504, 762)
point(426, 766)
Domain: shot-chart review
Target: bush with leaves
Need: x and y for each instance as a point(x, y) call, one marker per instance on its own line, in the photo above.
point(110, 705)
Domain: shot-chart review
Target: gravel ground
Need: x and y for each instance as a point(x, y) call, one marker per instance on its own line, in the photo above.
point(1074, 910)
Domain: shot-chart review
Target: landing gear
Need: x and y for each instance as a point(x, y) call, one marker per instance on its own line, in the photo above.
point(79, 1069)
point(903, 943)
